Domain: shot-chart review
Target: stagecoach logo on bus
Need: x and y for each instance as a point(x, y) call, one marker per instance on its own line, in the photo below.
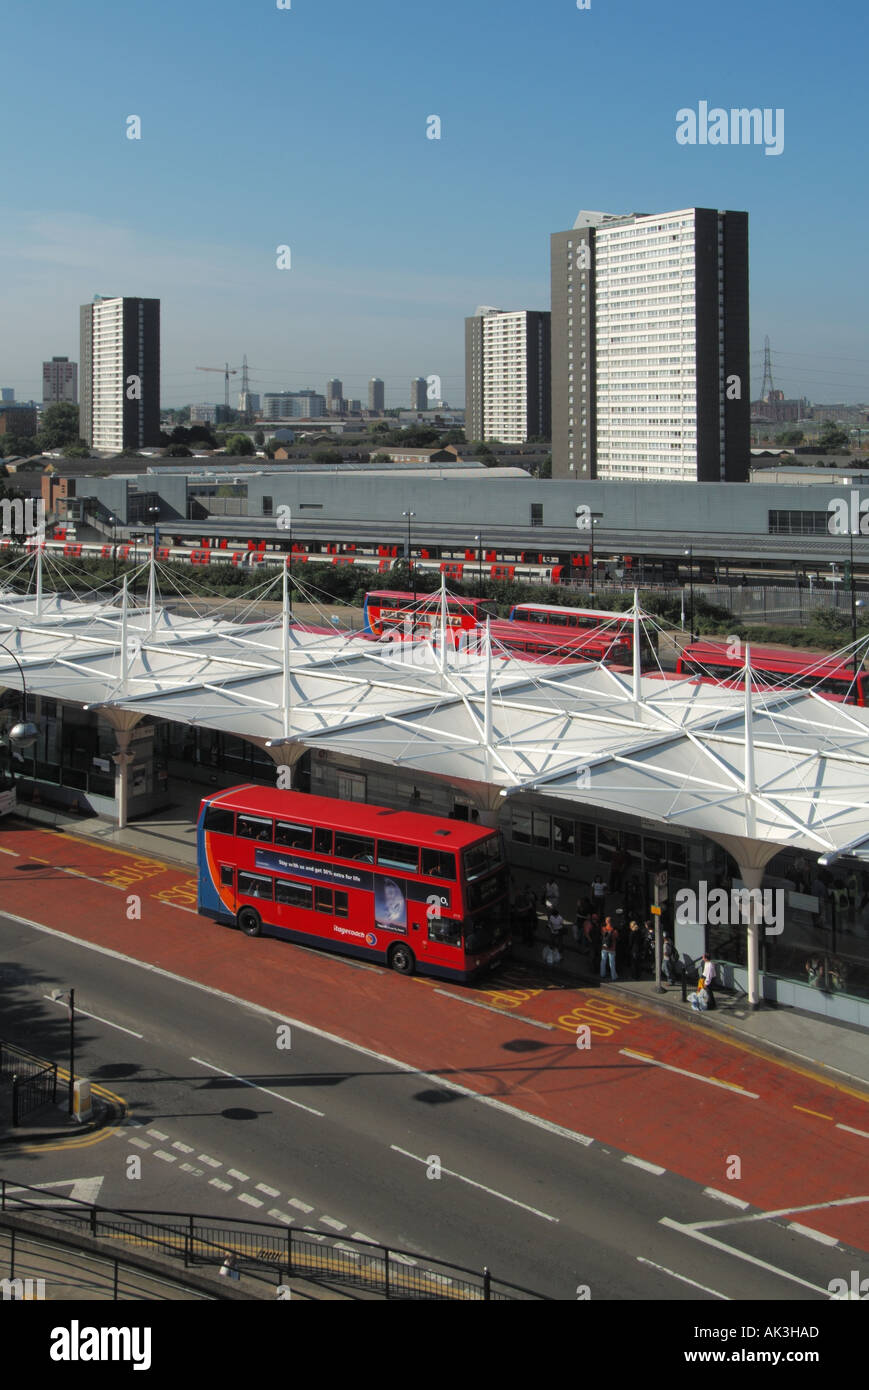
point(848, 516)
point(739, 907)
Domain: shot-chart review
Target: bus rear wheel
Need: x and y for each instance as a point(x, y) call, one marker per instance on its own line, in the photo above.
point(401, 958)
point(249, 922)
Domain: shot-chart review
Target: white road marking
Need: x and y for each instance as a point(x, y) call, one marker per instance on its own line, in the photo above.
point(167, 1158)
point(266, 1092)
point(13, 852)
point(281, 1216)
point(358, 1235)
point(782, 1211)
point(183, 1148)
point(642, 1163)
point(850, 1130)
point(742, 1255)
point(347, 1249)
point(139, 1143)
point(180, 906)
point(269, 1191)
point(336, 1225)
point(812, 1234)
point(726, 1197)
point(302, 1206)
point(157, 1134)
point(470, 1181)
point(83, 1013)
point(251, 1201)
point(693, 1075)
point(493, 1104)
point(81, 1190)
point(219, 1183)
point(212, 1162)
point(684, 1278)
point(191, 1168)
point(239, 1177)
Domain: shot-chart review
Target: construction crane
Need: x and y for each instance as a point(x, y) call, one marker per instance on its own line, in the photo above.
point(227, 373)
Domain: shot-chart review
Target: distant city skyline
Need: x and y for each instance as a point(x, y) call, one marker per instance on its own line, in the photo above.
point(391, 245)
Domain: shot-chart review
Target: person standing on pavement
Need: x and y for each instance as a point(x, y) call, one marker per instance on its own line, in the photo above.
point(668, 960)
point(635, 948)
point(598, 894)
point(709, 977)
point(550, 895)
point(608, 942)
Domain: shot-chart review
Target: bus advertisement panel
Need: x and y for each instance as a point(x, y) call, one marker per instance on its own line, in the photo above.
point(413, 891)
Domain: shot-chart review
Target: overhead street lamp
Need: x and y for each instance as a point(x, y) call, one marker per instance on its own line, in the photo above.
point(68, 996)
point(594, 519)
point(690, 553)
point(479, 539)
point(410, 565)
point(113, 522)
point(154, 514)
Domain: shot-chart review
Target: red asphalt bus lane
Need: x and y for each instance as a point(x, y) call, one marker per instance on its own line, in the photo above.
point(643, 1084)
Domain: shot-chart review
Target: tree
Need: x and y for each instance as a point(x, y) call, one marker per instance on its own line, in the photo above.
point(381, 458)
point(380, 428)
point(240, 446)
point(77, 451)
point(259, 439)
point(544, 467)
point(832, 437)
point(58, 426)
point(12, 444)
point(790, 437)
point(326, 455)
point(178, 451)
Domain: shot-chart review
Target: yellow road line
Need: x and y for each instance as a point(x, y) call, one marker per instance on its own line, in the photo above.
point(806, 1111)
point(107, 849)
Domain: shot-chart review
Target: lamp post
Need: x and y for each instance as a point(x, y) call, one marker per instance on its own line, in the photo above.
point(594, 519)
point(409, 517)
point(113, 522)
point(690, 553)
point(69, 996)
point(479, 539)
point(23, 734)
point(154, 514)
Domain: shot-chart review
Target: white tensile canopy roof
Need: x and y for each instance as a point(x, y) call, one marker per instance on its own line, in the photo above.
point(776, 768)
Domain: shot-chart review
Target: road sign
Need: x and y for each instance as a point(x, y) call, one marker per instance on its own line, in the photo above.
point(656, 911)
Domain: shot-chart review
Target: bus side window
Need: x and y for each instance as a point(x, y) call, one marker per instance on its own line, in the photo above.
point(323, 841)
point(445, 930)
point(226, 875)
point(437, 863)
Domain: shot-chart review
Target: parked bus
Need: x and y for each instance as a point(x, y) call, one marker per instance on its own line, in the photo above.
point(556, 644)
point(387, 609)
point(830, 676)
point(575, 619)
point(412, 891)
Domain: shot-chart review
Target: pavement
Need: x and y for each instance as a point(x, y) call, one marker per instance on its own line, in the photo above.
point(819, 1046)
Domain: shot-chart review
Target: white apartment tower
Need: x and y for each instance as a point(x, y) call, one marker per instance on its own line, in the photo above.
point(507, 377)
point(650, 347)
point(120, 373)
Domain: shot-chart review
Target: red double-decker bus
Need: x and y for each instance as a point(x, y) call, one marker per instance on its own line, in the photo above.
point(414, 892)
point(389, 609)
point(556, 645)
point(831, 676)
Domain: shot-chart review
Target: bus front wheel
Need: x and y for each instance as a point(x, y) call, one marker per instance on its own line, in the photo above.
point(401, 958)
point(249, 922)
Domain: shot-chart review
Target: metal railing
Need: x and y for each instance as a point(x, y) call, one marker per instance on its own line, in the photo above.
point(34, 1081)
point(273, 1253)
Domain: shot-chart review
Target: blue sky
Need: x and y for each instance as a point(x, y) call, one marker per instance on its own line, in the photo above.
point(307, 127)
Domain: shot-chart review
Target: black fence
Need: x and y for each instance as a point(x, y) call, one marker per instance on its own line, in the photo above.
point(272, 1253)
point(34, 1081)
